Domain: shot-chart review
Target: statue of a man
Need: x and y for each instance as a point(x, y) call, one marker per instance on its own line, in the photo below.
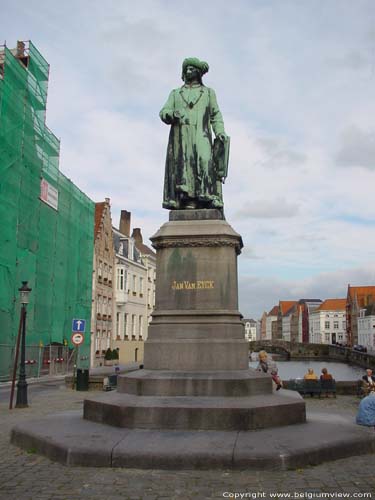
point(194, 168)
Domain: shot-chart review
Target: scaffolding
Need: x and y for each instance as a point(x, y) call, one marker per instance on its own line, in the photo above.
point(46, 221)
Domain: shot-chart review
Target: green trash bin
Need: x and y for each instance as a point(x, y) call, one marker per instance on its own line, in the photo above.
point(82, 380)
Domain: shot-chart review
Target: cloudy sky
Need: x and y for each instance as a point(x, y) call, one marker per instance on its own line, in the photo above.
point(295, 81)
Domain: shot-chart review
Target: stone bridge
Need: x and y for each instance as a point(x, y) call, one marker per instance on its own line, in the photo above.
point(295, 350)
point(290, 349)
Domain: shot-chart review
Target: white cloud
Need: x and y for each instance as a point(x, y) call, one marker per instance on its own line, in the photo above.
point(357, 148)
point(295, 84)
point(268, 209)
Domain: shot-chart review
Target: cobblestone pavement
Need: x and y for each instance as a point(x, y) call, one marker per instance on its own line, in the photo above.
point(26, 476)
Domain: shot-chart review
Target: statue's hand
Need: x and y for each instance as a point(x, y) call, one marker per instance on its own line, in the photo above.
point(222, 136)
point(166, 117)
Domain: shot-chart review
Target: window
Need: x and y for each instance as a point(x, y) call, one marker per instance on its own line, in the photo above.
point(133, 324)
point(141, 285)
point(134, 283)
point(336, 325)
point(117, 324)
point(140, 325)
point(125, 324)
point(120, 279)
point(326, 325)
point(328, 337)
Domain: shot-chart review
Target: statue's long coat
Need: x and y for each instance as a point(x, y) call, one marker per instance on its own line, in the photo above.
point(188, 170)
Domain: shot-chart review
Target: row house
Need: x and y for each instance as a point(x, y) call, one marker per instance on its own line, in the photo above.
point(283, 320)
point(307, 307)
point(328, 322)
point(358, 297)
point(102, 283)
point(293, 319)
point(271, 323)
point(135, 268)
point(251, 327)
point(263, 326)
point(366, 327)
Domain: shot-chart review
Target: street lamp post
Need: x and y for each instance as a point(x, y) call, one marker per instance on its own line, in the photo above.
point(21, 401)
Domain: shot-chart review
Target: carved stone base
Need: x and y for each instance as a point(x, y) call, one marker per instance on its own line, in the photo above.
point(196, 324)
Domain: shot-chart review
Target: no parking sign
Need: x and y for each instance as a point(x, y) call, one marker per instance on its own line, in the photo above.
point(77, 338)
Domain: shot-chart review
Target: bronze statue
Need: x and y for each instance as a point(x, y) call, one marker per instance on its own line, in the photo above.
point(195, 167)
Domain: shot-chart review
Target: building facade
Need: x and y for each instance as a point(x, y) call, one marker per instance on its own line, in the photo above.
point(250, 329)
point(263, 327)
point(328, 322)
point(271, 323)
point(358, 297)
point(102, 284)
point(366, 327)
point(135, 270)
point(283, 327)
point(307, 307)
point(47, 228)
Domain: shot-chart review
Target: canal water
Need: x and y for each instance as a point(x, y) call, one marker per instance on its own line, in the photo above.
point(297, 369)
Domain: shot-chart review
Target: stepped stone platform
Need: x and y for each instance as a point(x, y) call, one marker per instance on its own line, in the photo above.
point(69, 439)
point(235, 383)
point(199, 413)
point(196, 404)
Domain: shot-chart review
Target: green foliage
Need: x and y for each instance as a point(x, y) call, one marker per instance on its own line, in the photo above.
point(115, 354)
point(108, 354)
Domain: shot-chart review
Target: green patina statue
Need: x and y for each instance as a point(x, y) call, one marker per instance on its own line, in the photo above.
point(195, 166)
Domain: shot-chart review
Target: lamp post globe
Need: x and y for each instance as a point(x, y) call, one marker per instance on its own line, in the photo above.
point(21, 401)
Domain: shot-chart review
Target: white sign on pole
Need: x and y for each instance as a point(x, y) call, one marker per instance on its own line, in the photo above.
point(77, 338)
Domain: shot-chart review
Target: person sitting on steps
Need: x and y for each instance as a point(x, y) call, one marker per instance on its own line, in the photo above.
point(270, 367)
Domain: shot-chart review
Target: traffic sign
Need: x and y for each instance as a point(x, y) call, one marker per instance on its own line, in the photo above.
point(77, 338)
point(79, 325)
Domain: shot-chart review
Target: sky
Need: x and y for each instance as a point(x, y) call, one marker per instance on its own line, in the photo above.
point(295, 81)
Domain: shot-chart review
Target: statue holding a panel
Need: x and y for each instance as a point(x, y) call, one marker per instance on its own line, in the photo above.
point(196, 166)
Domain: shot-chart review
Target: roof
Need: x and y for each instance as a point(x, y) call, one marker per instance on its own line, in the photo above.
point(99, 210)
point(332, 305)
point(285, 305)
point(361, 293)
point(273, 311)
point(144, 249)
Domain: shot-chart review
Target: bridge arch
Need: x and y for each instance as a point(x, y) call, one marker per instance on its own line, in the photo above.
point(272, 346)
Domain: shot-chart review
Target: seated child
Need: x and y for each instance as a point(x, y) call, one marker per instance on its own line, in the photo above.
point(269, 367)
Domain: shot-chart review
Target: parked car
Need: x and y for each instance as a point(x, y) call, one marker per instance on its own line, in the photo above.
point(360, 348)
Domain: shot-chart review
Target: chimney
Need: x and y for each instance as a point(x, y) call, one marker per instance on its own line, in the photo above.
point(137, 235)
point(125, 222)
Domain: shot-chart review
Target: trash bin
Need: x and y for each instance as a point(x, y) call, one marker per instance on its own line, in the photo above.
point(82, 380)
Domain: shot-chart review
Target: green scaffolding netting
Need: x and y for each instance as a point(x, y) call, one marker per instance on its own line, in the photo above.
point(50, 248)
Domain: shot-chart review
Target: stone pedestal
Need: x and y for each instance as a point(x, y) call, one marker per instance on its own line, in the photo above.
point(196, 359)
point(196, 404)
point(196, 324)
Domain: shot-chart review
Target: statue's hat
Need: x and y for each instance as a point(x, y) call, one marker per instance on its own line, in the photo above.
point(194, 61)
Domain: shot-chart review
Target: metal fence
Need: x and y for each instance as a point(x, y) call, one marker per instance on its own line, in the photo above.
point(40, 360)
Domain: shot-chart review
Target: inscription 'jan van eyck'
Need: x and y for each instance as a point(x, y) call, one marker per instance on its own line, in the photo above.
point(193, 285)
